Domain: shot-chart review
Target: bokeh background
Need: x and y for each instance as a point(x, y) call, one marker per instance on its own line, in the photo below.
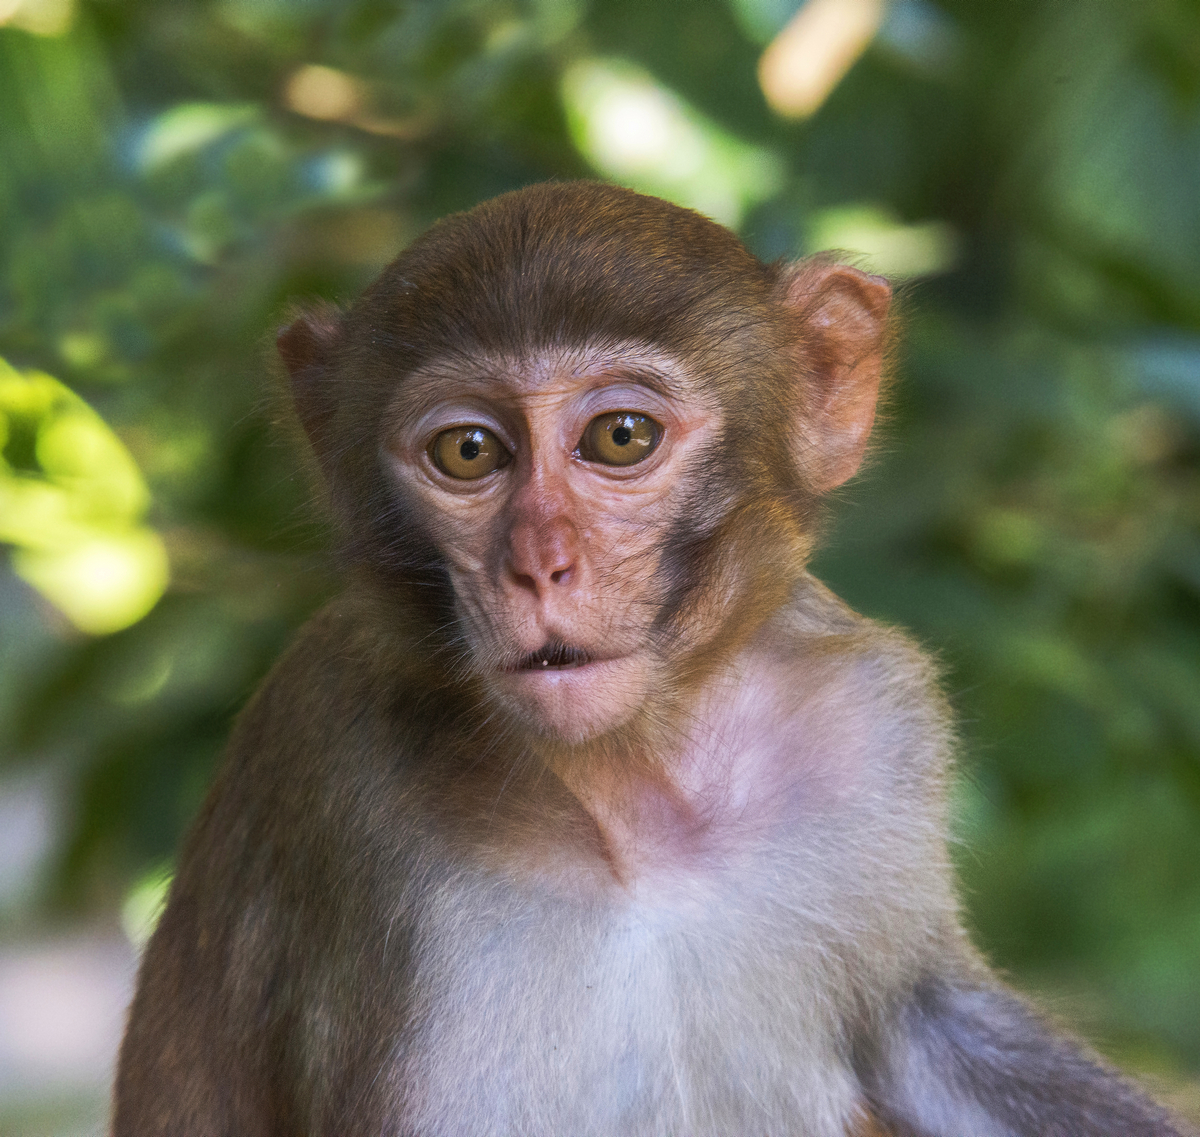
point(174, 172)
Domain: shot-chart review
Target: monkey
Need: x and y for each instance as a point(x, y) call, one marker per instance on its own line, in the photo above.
point(585, 809)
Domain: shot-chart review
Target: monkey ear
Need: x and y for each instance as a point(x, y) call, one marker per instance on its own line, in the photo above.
point(306, 348)
point(843, 313)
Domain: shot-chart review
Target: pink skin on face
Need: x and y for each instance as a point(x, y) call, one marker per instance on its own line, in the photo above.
point(553, 548)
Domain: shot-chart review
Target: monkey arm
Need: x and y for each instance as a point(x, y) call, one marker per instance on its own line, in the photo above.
point(972, 1060)
point(217, 1034)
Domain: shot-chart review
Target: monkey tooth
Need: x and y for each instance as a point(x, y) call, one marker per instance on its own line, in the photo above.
point(559, 656)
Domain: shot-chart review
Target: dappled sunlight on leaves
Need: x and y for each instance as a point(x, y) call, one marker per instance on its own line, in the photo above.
point(144, 903)
point(73, 505)
point(637, 132)
point(41, 17)
point(888, 247)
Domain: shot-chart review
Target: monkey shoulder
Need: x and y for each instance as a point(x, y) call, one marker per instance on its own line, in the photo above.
point(859, 719)
point(343, 685)
point(830, 713)
point(838, 749)
point(310, 831)
point(320, 760)
point(872, 678)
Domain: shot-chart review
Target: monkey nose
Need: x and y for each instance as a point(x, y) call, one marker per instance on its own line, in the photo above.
point(544, 555)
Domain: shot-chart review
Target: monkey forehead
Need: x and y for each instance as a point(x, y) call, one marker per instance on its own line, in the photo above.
point(566, 263)
point(555, 372)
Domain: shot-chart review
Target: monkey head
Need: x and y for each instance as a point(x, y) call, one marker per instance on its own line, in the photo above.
point(582, 433)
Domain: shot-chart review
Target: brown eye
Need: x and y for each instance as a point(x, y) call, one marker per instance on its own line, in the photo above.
point(468, 452)
point(620, 438)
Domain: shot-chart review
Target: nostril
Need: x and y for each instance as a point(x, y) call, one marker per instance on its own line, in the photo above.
point(561, 576)
point(524, 580)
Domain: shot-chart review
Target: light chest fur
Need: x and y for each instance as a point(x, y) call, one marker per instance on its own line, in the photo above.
point(715, 987)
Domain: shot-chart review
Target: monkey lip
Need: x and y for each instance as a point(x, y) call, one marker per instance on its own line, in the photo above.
point(552, 657)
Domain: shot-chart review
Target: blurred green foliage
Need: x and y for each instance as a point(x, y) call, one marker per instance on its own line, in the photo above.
point(174, 172)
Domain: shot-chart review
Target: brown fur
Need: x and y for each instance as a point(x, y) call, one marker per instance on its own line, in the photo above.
point(698, 885)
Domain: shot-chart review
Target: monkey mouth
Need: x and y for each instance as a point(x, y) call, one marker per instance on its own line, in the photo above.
point(553, 656)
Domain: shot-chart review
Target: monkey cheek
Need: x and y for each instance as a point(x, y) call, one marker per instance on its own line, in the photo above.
point(579, 703)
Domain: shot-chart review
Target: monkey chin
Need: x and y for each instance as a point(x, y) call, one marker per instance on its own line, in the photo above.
point(577, 703)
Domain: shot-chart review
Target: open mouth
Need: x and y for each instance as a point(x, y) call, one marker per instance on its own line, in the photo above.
point(553, 656)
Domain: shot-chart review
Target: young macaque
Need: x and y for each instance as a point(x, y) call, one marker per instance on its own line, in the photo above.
point(585, 810)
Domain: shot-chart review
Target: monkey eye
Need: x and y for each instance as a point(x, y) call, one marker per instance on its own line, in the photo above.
point(468, 452)
point(619, 438)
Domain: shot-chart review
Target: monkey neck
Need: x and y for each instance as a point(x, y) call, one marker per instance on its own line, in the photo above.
point(689, 791)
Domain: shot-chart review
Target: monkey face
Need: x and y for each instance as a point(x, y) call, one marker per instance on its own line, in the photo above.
point(578, 436)
point(549, 484)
